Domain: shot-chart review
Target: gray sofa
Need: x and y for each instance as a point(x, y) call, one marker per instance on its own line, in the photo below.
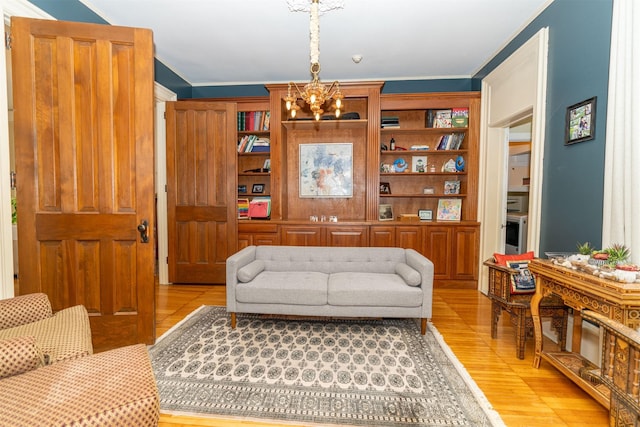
point(330, 281)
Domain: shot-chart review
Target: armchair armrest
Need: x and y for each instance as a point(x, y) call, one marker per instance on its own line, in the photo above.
point(24, 309)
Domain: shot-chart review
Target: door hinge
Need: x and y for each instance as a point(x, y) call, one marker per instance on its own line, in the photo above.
point(167, 260)
point(7, 40)
point(166, 188)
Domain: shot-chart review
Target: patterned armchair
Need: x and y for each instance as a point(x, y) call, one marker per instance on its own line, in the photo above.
point(61, 336)
point(49, 376)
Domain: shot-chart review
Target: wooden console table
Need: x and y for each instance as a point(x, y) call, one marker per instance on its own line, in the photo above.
point(581, 291)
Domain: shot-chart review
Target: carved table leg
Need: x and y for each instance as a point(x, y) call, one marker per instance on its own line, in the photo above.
point(537, 325)
point(496, 309)
point(521, 331)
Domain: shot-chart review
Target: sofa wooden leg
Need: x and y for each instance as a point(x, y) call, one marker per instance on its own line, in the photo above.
point(423, 326)
point(233, 320)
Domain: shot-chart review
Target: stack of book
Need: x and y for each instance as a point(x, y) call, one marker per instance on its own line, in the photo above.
point(389, 122)
point(253, 144)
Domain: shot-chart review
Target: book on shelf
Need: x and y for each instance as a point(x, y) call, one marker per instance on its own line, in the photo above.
point(250, 143)
point(254, 120)
point(419, 148)
point(449, 209)
point(460, 117)
point(451, 141)
point(243, 208)
point(389, 122)
point(452, 187)
point(442, 119)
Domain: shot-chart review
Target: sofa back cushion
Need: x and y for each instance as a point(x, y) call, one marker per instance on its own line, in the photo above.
point(326, 259)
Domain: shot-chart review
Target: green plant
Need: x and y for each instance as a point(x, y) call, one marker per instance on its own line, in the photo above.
point(584, 248)
point(14, 211)
point(618, 253)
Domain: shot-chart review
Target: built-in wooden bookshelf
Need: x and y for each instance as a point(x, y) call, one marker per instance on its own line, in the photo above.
point(452, 245)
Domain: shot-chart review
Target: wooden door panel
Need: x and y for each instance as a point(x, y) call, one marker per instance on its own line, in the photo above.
point(465, 254)
point(201, 178)
point(84, 155)
point(438, 248)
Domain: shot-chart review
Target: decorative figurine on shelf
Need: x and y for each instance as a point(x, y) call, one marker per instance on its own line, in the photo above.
point(460, 164)
point(449, 166)
point(400, 165)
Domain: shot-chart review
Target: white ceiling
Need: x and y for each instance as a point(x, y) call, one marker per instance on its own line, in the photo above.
point(220, 42)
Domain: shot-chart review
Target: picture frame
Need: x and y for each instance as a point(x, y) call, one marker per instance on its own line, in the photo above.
point(242, 189)
point(385, 212)
point(267, 165)
point(326, 170)
point(580, 122)
point(452, 187)
point(449, 210)
point(385, 188)
point(419, 164)
point(425, 214)
point(257, 188)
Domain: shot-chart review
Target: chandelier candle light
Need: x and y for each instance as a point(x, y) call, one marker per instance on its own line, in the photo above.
point(314, 93)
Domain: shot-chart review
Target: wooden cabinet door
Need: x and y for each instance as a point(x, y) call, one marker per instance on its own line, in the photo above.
point(409, 237)
point(438, 248)
point(465, 253)
point(201, 190)
point(300, 235)
point(384, 236)
point(84, 155)
point(347, 236)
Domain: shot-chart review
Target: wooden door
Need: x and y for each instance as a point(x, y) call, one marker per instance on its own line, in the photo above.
point(201, 190)
point(83, 96)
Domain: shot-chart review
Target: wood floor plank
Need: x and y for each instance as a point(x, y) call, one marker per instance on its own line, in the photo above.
point(522, 395)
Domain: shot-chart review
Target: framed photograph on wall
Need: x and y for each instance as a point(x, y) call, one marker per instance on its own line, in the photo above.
point(326, 170)
point(580, 122)
point(385, 213)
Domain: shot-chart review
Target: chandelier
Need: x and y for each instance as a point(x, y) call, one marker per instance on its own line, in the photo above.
point(314, 93)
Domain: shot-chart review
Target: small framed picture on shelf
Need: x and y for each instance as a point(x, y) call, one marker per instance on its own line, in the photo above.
point(257, 188)
point(385, 213)
point(267, 165)
point(449, 210)
point(385, 188)
point(419, 164)
point(580, 122)
point(242, 189)
point(452, 187)
point(425, 214)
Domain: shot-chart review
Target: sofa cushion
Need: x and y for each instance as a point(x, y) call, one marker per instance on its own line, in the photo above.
point(370, 289)
point(250, 271)
point(19, 355)
point(285, 287)
point(409, 274)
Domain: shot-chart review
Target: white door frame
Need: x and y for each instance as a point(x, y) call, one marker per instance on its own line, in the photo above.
point(8, 8)
point(162, 95)
point(512, 91)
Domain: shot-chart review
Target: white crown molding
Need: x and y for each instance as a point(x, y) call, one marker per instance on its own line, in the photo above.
point(22, 8)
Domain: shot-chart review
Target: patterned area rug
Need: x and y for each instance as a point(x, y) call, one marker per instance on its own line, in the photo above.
point(340, 372)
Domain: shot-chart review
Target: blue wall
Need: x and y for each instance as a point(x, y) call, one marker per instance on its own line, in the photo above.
point(572, 193)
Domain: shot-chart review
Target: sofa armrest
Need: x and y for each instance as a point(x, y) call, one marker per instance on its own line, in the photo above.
point(425, 267)
point(234, 263)
point(24, 309)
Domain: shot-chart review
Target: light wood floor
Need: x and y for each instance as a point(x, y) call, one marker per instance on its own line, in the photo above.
point(523, 396)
